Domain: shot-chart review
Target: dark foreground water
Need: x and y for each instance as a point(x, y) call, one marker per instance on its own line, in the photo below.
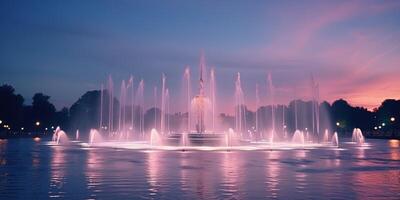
point(36, 170)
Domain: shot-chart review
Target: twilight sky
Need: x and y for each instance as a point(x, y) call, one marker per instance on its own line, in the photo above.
point(64, 48)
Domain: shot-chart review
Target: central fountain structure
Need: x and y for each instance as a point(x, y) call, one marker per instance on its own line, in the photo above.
point(200, 102)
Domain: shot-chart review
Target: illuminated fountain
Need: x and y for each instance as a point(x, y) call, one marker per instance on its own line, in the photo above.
point(59, 136)
point(358, 137)
point(122, 121)
point(335, 140)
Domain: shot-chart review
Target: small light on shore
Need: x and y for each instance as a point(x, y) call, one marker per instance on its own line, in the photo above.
point(36, 139)
point(37, 123)
point(392, 119)
point(337, 124)
point(22, 128)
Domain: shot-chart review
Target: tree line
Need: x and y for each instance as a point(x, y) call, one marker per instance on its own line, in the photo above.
point(42, 116)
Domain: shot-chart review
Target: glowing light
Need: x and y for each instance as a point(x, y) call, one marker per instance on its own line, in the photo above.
point(52, 127)
point(22, 128)
point(392, 119)
point(1, 122)
point(37, 123)
point(36, 139)
point(376, 128)
point(379, 127)
point(45, 129)
point(337, 124)
point(383, 124)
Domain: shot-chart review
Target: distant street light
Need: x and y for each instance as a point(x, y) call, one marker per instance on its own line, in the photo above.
point(1, 122)
point(37, 123)
point(375, 128)
point(337, 124)
point(392, 119)
point(22, 128)
point(379, 127)
point(383, 124)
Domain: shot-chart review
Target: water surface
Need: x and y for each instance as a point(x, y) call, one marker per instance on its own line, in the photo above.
point(37, 170)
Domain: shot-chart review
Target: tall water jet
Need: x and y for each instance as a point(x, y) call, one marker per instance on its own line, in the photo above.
point(101, 107)
point(213, 98)
point(110, 105)
point(240, 115)
point(139, 97)
point(121, 118)
point(188, 97)
point(272, 99)
point(166, 114)
point(358, 137)
point(154, 138)
point(130, 85)
point(335, 140)
point(162, 117)
point(315, 106)
point(155, 106)
point(295, 109)
point(256, 111)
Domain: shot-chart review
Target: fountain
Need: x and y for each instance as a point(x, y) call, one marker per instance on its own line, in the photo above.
point(198, 125)
point(94, 136)
point(240, 109)
point(326, 136)
point(358, 137)
point(77, 135)
point(154, 137)
point(335, 140)
point(298, 137)
point(59, 136)
point(185, 140)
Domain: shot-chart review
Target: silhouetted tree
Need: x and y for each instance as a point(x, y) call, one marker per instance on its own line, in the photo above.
point(11, 107)
point(42, 110)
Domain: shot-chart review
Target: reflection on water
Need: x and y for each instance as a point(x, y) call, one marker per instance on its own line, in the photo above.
point(57, 171)
point(272, 173)
point(230, 173)
point(153, 172)
point(35, 170)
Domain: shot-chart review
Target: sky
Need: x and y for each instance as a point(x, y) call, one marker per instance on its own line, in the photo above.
point(65, 48)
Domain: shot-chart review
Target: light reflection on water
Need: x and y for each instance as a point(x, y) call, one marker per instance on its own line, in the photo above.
point(34, 170)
